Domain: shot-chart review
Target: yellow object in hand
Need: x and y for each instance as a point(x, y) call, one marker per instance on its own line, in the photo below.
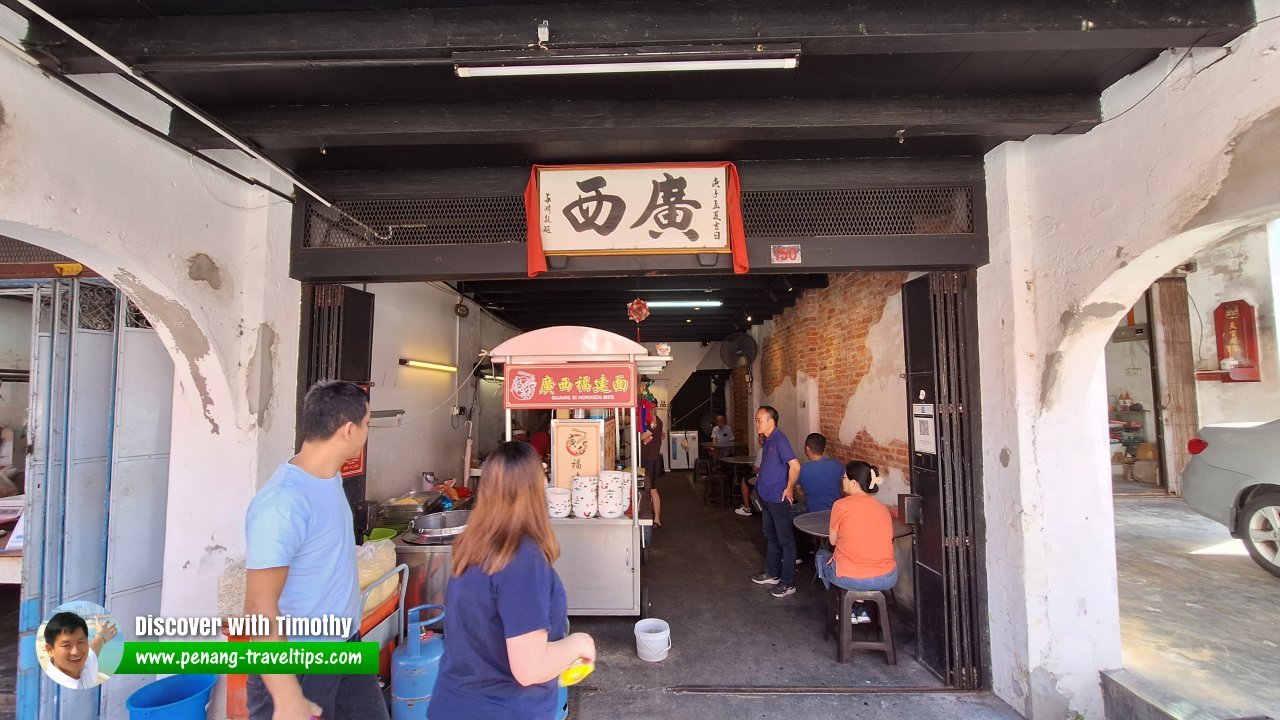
point(576, 672)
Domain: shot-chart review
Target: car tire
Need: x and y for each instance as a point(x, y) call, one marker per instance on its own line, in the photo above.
point(1260, 530)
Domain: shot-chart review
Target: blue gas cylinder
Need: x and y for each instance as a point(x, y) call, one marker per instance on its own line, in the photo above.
point(415, 666)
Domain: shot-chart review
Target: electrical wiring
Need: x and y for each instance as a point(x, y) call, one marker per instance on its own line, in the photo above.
point(1229, 49)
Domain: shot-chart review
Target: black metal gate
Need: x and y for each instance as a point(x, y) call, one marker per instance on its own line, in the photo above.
point(940, 330)
point(336, 344)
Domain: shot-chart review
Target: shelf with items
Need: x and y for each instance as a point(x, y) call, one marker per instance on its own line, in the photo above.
point(1128, 428)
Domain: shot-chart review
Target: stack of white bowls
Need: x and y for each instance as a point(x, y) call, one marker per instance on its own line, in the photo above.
point(558, 502)
point(585, 501)
point(615, 493)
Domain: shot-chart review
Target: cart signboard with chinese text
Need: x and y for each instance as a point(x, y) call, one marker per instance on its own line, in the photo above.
point(577, 448)
point(570, 385)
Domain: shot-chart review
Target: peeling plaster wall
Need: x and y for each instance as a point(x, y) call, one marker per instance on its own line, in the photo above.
point(1236, 269)
point(416, 321)
point(1080, 226)
point(834, 364)
point(78, 180)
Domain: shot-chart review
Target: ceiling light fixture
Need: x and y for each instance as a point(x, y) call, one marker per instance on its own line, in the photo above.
point(684, 303)
point(586, 61)
point(428, 365)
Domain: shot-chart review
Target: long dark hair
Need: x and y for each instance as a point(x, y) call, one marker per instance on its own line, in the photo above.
point(511, 505)
point(863, 473)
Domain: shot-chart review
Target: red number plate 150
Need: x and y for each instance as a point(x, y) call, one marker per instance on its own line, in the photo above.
point(784, 254)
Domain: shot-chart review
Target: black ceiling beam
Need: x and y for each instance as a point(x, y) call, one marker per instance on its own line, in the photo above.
point(816, 174)
point(827, 28)
point(648, 333)
point(776, 119)
point(547, 304)
point(573, 314)
point(800, 279)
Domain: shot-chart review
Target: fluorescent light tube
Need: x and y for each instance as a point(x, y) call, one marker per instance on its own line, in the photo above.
point(684, 303)
point(786, 63)
point(428, 365)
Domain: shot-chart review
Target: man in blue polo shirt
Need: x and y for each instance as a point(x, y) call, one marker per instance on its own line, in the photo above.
point(821, 477)
point(779, 470)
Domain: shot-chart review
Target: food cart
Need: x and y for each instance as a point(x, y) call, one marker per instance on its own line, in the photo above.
point(579, 368)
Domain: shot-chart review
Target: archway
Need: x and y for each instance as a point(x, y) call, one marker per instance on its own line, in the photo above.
point(100, 390)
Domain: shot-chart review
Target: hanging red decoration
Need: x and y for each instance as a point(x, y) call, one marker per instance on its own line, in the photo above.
point(638, 310)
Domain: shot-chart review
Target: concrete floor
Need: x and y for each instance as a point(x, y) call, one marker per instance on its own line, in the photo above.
point(1198, 617)
point(728, 632)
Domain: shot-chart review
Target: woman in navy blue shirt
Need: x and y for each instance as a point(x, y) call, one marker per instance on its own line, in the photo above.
point(507, 615)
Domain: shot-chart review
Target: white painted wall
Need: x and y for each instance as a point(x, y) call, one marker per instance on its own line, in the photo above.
point(78, 180)
point(1129, 370)
point(796, 400)
point(686, 358)
point(15, 353)
point(1080, 226)
point(1235, 269)
point(416, 321)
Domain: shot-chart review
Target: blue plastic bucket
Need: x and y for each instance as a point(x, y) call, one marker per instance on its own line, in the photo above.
point(180, 697)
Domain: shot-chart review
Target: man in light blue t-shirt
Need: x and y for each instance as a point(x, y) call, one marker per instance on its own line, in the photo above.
point(302, 560)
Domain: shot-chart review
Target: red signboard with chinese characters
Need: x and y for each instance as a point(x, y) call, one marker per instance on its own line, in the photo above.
point(570, 385)
point(354, 466)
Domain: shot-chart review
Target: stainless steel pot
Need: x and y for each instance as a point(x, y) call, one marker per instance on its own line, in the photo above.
point(441, 524)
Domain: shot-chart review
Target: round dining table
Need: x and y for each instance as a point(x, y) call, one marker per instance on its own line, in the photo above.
point(818, 524)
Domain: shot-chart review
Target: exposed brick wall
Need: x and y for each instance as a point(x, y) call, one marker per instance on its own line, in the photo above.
point(825, 337)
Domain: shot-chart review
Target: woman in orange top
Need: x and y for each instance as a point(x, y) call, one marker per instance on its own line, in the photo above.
point(862, 535)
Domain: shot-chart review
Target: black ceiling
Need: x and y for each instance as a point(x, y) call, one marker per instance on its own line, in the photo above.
point(336, 86)
point(602, 302)
point(340, 86)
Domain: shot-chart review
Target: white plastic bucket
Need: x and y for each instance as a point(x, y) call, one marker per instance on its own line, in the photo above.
point(653, 639)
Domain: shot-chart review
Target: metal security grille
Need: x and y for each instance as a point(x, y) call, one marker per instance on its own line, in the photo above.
point(955, 362)
point(62, 296)
point(97, 308)
point(867, 211)
point(16, 251)
point(935, 210)
point(425, 221)
point(134, 318)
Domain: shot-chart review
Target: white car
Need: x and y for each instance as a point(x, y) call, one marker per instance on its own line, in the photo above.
point(1234, 478)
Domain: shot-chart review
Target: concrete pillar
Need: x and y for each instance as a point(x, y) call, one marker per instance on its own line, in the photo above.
point(1052, 597)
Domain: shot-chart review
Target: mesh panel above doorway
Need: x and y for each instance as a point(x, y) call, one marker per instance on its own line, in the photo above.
point(852, 212)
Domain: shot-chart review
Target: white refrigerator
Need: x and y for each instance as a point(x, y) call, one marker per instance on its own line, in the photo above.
point(684, 449)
